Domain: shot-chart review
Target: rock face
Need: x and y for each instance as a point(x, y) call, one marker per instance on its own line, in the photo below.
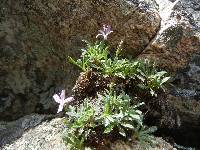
point(179, 35)
point(185, 96)
point(37, 36)
point(10, 131)
point(31, 68)
point(45, 136)
point(176, 48)
point(48, 135)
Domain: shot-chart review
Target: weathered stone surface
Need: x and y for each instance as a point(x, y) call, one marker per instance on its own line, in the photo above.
point(185, 96)
point(136, 21)
point(179, 36)
point(48, 135)
point(10, 131)
point(176, 48)
point(31, 68)
point(45, 136)
point(37, 36)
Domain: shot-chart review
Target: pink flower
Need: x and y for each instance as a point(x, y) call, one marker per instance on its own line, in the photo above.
point(61, 100)
point(105, 32)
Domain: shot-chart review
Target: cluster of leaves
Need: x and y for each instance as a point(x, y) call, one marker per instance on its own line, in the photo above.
point(97, 57)
point(108, 112)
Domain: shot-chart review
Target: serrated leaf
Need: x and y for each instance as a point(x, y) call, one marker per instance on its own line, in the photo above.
point(151, 130)
point(72, 114)
point(153, 93)
point(142, 86)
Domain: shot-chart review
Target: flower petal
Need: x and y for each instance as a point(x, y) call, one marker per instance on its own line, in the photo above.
point(62, 95)
point(60, 108)
point(98, 35)
point(57, 98)
point(69, 99)
point(102, 32)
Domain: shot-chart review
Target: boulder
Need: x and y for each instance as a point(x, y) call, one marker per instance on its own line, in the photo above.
point(185, 96)
point(48, 135)
point(37, 36)
point(31, 68)
point(10, 131)
point(179, 35)
point(176, 48)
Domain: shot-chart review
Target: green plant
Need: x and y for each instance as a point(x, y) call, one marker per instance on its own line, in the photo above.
point(119, 113)
point(109, 112)
point(151, 79)
point(96, 57)
point(92, 56)
point(80, 123)
point(144, 134)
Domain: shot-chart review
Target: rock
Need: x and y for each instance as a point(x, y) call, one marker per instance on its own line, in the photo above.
point(37, 36)
point(32, 70)
point(45, 136)
point(185, 96)
point(10, 131)
point(176, 48)
point(160, 145)
point(48, 135)
point(136, 21)
point(189, 119)
point(178, 37)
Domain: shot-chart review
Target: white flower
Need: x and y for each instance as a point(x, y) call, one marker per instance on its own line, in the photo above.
point(61, 100)
point(105, 32)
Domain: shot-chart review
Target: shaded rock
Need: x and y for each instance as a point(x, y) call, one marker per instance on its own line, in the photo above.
point(37, 36)
point(189, 119)
point(48, 135)
point(185, 96)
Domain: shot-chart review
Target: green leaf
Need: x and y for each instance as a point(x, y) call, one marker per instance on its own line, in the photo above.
point(142, 86)
point(122, 132)
point(164, 80)
point(72, 114)
point(130, 126)
point(153, 92)
point(136, 117)
point(161, 73)
point(109, 128)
